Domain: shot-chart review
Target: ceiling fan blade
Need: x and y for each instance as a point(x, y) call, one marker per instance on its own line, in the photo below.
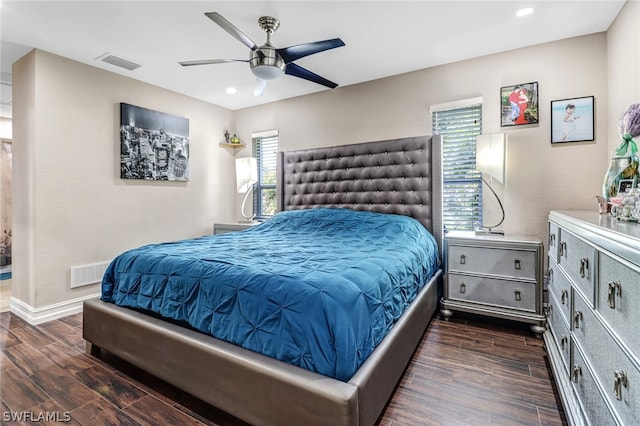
point(210, 61)
point(298, 71)
point(260, 87)
point(292, 53)
point(231, 29)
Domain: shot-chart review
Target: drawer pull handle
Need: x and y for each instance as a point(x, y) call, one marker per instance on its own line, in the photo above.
point(463, 288)
point(577, 317)
point(517, 264)
point(563, 249)
point(577, 372)
point(550, 311)
point(518, 294)
point(563, 342)
point(552, 239)
point(619, 380)
point(615, 289)
point(463, 259)
point(564, 296)
point(584, 267)
point(550, 275)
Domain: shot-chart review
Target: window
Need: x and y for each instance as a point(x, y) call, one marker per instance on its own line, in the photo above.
point(462, 184)
point(265, 149)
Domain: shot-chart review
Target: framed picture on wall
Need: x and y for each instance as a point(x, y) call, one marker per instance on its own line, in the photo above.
point(519, 104)
point(572, 120)
point(153, 145)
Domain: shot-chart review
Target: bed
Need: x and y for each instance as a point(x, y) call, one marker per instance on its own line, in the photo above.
point(400, 177)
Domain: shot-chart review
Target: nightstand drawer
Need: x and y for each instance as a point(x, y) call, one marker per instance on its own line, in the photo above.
point(491, 291)
point(508, 263)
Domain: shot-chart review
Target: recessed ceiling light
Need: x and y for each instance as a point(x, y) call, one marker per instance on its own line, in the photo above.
point(231, 90)
point(524, 12)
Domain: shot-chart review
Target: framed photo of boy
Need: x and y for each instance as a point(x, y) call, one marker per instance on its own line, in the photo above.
point(519, 104)
point(572, 120)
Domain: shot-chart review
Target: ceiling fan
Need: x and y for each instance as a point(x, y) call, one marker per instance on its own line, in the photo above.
point(268, 62)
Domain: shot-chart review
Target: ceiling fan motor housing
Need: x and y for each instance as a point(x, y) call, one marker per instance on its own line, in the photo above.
point(266, 63)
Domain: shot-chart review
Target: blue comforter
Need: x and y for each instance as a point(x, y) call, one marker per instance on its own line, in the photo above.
point(314, 288)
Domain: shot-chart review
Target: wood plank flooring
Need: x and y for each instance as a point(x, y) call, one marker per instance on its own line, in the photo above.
point(465, 372)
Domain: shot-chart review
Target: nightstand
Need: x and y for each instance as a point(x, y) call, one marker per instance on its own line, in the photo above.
point(223, 228)
point(499, 276)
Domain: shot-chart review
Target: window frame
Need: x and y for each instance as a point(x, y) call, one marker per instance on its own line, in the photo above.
point(267, 171)
point(456, 144)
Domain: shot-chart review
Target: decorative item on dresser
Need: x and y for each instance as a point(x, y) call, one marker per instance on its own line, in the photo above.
point(593, 339)
point(497, 276)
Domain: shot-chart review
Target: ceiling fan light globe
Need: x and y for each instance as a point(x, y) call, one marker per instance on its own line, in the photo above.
point(267, 72)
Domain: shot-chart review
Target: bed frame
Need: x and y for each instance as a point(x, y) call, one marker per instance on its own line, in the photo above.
point(401, 176)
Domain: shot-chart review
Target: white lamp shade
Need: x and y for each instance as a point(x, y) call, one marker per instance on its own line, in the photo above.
point(246, 173)
point(490, 155)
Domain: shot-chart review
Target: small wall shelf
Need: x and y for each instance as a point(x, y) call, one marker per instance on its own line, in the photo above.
point(231, 145)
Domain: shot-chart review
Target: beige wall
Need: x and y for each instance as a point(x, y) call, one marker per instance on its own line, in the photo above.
point(623, 63)
point(71, 207)
point(540, 177)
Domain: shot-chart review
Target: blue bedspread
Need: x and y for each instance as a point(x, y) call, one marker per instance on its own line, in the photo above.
point(315, 288)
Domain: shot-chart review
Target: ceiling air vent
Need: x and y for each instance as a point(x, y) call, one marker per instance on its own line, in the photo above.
point(118, 61)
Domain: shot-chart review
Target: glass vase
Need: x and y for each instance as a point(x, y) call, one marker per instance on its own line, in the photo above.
point(620, 168)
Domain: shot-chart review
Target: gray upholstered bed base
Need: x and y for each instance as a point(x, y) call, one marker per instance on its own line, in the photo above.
point(264, 391)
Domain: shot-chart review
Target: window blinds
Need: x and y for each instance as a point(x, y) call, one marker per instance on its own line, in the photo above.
point(265, 149)
point(462, 184)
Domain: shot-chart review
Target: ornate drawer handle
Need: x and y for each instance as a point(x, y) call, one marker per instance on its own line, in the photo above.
point(463, 287)
point(577, 317)
point(563, 342)
point(517, 263)
point(463, 259)
point(577, 372)
point(619, 380)
point(550, 275)
point(563, 248)
point(564, 296)
point(552, 239)
point(584, 266)
point(518, 294)
point(615, 289)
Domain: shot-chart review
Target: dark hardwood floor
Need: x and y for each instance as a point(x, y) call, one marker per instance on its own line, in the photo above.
point(465, 372)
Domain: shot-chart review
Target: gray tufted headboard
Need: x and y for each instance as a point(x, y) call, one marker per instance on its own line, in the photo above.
point(399, 176)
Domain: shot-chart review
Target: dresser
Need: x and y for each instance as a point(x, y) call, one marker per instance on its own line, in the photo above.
point(494, 275)
point(593, 338)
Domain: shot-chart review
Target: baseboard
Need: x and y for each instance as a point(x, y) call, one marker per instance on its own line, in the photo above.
point(35, 316)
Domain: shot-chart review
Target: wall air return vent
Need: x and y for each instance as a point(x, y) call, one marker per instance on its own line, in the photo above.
point(118, 61)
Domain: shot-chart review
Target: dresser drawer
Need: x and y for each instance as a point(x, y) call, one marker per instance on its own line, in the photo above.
point(492, 291)
point(577, 258)
point(614, 370)
point(507, 263)
point(560, 288)
point(554, 240)
point(619, 299)
point(591, 400)
point(559, 331)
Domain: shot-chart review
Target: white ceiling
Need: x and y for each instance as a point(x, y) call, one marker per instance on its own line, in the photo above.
point(383, 38)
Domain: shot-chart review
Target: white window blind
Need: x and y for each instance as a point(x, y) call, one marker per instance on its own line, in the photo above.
point(462, 184)
point(265, 149)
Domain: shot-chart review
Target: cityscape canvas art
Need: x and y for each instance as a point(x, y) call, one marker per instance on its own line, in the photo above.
point(153, 145)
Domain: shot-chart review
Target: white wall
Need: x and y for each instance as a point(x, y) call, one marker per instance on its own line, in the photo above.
point(540, 177)
point(71, 207)
point(623, 64)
